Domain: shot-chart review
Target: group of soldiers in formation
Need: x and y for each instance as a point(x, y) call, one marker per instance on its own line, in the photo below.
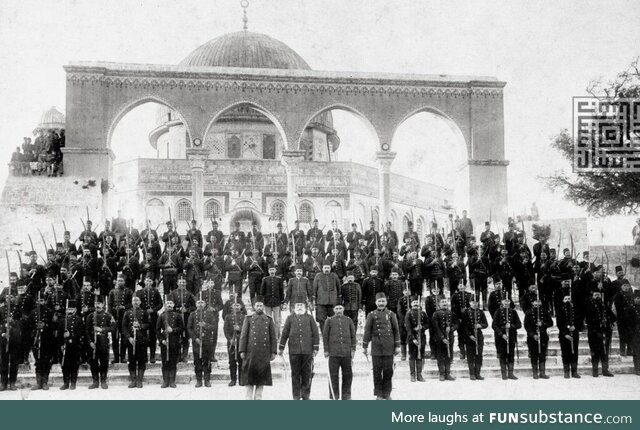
point(134, 290)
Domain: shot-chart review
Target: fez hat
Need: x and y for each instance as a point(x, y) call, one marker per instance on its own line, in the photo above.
point(100, 299)
point(487, 223)
point(272, 266)
point(149, 275)
point(315, 220)
point(374, 268)
point(72, 303)
point(380, 296)
point(349, 273)
point(353, 224)
point(619, 269)
point(279, 224)
point(258, 299)
point(120, 275)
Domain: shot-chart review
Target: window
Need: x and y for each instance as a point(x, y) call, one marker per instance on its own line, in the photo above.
point(277, 210)
point(269, 147)
point(234, 146)
point(155, 203)
point(212, 210)
point(419, 228)
point(405, 223)
point(306, 213)
point(183, 211)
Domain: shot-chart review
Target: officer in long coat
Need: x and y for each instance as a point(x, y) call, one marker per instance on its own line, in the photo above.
point(381, 329)
point(301, 333)
point(258, 347)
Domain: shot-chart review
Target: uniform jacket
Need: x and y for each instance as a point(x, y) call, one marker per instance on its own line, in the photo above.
point(339, 336)
point(302, 333)
point(326, 289)
point(381, 329)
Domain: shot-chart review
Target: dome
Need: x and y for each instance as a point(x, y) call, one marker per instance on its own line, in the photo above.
point(51, 119)
point(245, 49)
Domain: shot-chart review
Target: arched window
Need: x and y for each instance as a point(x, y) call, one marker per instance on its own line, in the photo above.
point(405, 223)
point(419, 228)
point(393, 218)
point(183, 211)
point(155, 203)
point(306, 213)
point(277, 210)
point(376, 219)
point(212, 209)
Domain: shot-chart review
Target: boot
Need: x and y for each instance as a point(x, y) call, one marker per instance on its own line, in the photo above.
point(605, 369)
point(574, 370)
point(472, 370)
point(172, 378)
point(441, 370)
point(478, 368)
point(403, 352)
point(152, 354)
point(133, 379)
point(165, 379)
point(3, 386)
point(207, 380)
point(543, 370)
point(198, 381)
point(503, 369)
point(140, 378)
point(419, 364)
point(534, 367)
point(103, 381)
point(38, 385)
point(511, 375)
point(447, 371)
point(65, 385)
point(45, 382)
point(412, 369)
point(95, 382)
point(12, 386)
point(566, 371)
point(594, 368)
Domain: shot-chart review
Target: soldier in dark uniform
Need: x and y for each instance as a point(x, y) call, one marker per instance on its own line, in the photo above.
point(213, 303)
point(339, 344)
point(444, 326)
point(232, 325)
point(41, 321)
point(536, 322)
point(193, 268)
point(24, 304)
point(623, 301)
point(129, 265)
point(416, 323)
point(36, 273)
point(351, 294)
point(272, 292)
point(473, 322)
point(216, 238)
point(233, 268)
point(170, 264)
point(599, 319)
point(315, 237)
point(85, 302)
point(381, 329)
point(300, 331)
point(200, 329)
point(185, 303)
point(72, 332)
point(169, 328)
point(99, 324)
point(258, 347)
point(373, 285)
point(150, 303)
point(119, 301)
point(460, 301)
point(135, 325)
point(497, 296)
point(337, 263)
point(506, 323)
point(299, 289)
point(10, 340)
point(353, 239)
point(194, 236)
point(255, 267)
point(237, 238)
point(326, 294)
point(634, 317)
point(413, 270)
point(404, 306)
point(412, 236)
point(569, 326)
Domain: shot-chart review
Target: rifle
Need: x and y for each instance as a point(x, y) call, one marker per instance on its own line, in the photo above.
point(537, 327)
point(95, 333)
point(135, 329)
point(88, 218)
point(419, 326)
point(506, 313)
point(475, 315)
point(66, 327)
point(166, 326)
point(201, 319)
point(37, 342)
point(55, 238)
point(8, 299)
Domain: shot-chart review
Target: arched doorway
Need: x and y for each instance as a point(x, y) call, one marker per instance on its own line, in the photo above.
point(246, 216)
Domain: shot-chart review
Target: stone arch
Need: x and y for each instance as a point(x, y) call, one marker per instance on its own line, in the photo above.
point(245, 215)
point(339, 106)
point(257, 106)
point(245, 204)
point(130, 105)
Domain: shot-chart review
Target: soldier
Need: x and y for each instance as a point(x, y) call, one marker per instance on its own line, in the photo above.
point(232, 325)
point(194, 236)
point(326, 294)
point(272, 291)
point(150, 303)
point(313, 264)
point(623, 302)
point(24, 305)
point(193, 268)
point(358, 267)
point(85, 302)
point(456, 273)
point(200, 328)
point(99, 324)
point(135, 325)
point(169, 328)
point(35, 272)
point(301, 333)
point(216, 239)
point(497, 295)
point(404, 306)
point(416, 324)
point(233, 268)
point(373, 285)
point(391, 236)
point(569, 326)
point(599, 319)
point(56, 301)
point(119, 301)
point(41, 322)
point(381, 329)
point(255, 267)
point(129, 265)
point(351, 294)
point(72, 332)
point(258, 346)
point(473, 322)
point(353, 238)
point(413, 270)
point(299, 289)
point(635, 330)
point(444, 326)
point(506, 323)
point(10, 338)
point(410, 237)
point(337, 263)
point(536, 322)
point(185, 303)
point(460, 301)
point(315, 237)
point(339, 344)
point(171, 264)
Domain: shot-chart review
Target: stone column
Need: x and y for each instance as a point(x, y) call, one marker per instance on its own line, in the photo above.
point(384, 160)
point(291, 160)
point(197, 158)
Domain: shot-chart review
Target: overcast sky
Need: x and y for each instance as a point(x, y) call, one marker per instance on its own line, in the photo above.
point(546, 52)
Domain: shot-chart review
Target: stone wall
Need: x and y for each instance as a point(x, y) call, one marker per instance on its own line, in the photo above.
point(618, 256)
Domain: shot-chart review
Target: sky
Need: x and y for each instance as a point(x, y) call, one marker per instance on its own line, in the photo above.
point(545, 52)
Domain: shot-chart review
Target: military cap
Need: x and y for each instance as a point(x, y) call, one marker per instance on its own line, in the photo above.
point(120, 275)
point(487, 223)
point(619, 269)
point(353, 224)
point(150, 275)
point(72, 303)
point(296, 222)
point(272, 266)
point(395, 270)
point(100, 299)
point(349, 273)
point(380, 296)
point(279, 224)
point(258, 299)
point(13, 274)
point(315, 220)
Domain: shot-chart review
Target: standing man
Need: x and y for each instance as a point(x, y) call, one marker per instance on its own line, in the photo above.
point(99, 324)
point(232, 325)
point(299, 289)
point(569, 326)
point(119, 301)
point(351, 294)
point(135, 325)
point(536, 322)
point(150, 303)
point(258, 347)
point(185, 303)
point(473, 322)
point(200, 329)
point(272, 291)
point(381, 329)
point(506, 323)
point(353, 238)
point(339, 344)
point(444, 326)
point(326, 294)
point(416, 324)
point(71, 330)
point(301, 331)
point(169, 330)
point(599, 320)
point(10, 340)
